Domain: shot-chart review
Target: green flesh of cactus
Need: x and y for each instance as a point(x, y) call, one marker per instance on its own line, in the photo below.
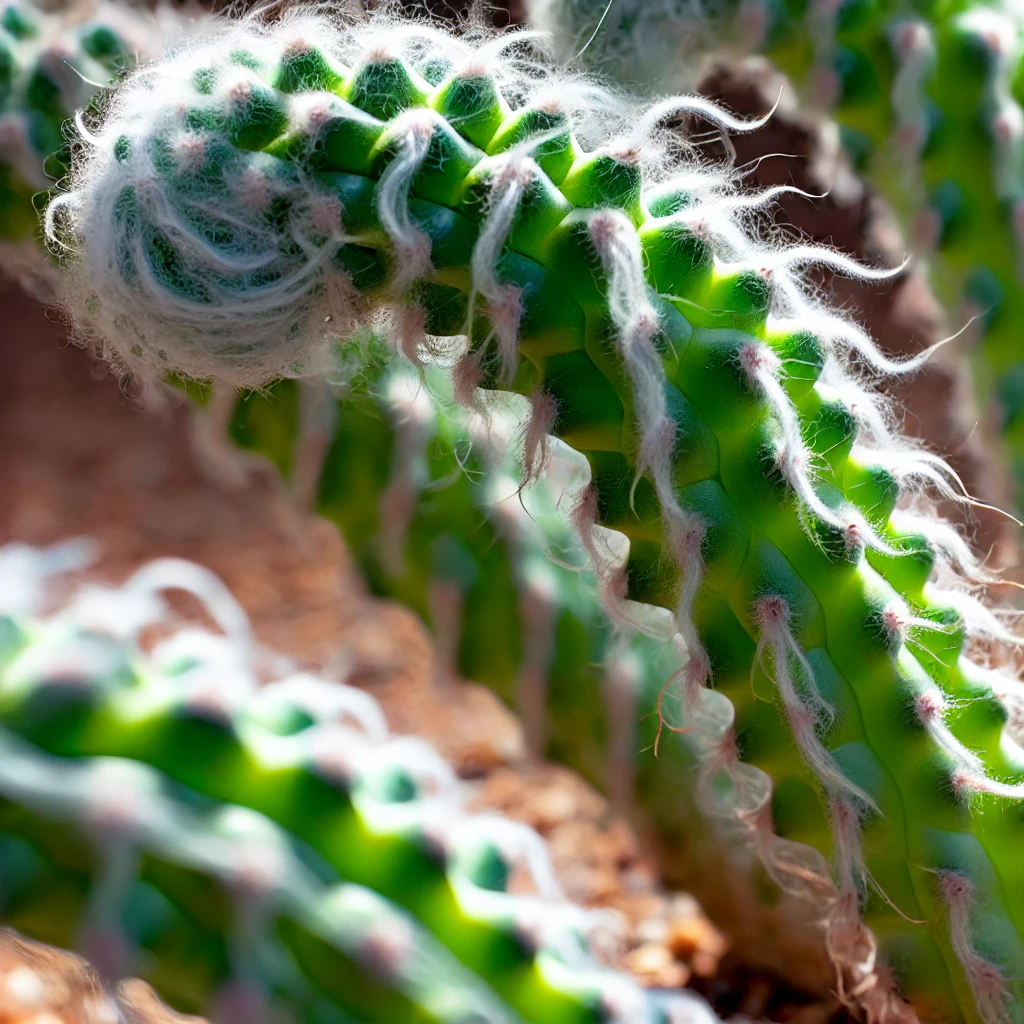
point(48, 70)
point(883, 700)
point(176, 913)
point(928, 99)
point(269, 848)
point(473, 562)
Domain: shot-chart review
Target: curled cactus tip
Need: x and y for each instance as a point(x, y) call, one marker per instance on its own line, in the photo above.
point(209, 230)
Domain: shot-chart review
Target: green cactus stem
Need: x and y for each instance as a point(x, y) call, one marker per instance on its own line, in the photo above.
point(928, 103)
point(51, 64)
point(225, 223)
point(215, 904)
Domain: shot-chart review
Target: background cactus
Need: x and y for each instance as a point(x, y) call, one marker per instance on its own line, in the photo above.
point(52, 62)
point(927, 101)
point(219, 906)
point(236, 197)
point(483, 573)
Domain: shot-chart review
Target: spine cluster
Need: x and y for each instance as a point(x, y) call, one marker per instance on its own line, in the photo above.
point(270, 848)
point(244, 205)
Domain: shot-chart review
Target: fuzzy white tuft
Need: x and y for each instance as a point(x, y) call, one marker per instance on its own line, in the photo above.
point(636, 324)
point(808, 712)
point(985, 978)
point(503, 301)
point(412, 133)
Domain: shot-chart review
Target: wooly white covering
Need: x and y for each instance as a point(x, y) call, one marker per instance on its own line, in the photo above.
point(253, 298)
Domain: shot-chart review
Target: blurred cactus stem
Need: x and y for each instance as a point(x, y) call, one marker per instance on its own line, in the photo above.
point(55, 61)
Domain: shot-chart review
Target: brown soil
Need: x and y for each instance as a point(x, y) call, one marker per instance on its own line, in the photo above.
point(42, 985)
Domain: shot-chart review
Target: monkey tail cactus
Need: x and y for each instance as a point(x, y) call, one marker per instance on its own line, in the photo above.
point(242, 206)
point(254, 847)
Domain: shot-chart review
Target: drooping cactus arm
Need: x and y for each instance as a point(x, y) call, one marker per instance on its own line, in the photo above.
point(213, 235)
point(215, 904)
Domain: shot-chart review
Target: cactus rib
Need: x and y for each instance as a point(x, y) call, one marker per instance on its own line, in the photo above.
point(238, 196)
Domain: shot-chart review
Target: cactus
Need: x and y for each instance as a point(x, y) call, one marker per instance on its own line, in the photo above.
point(268, 847)
point(51, 64)
point(927, 100)
point(581, 688)
point(240, 208)
point(190, 872)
